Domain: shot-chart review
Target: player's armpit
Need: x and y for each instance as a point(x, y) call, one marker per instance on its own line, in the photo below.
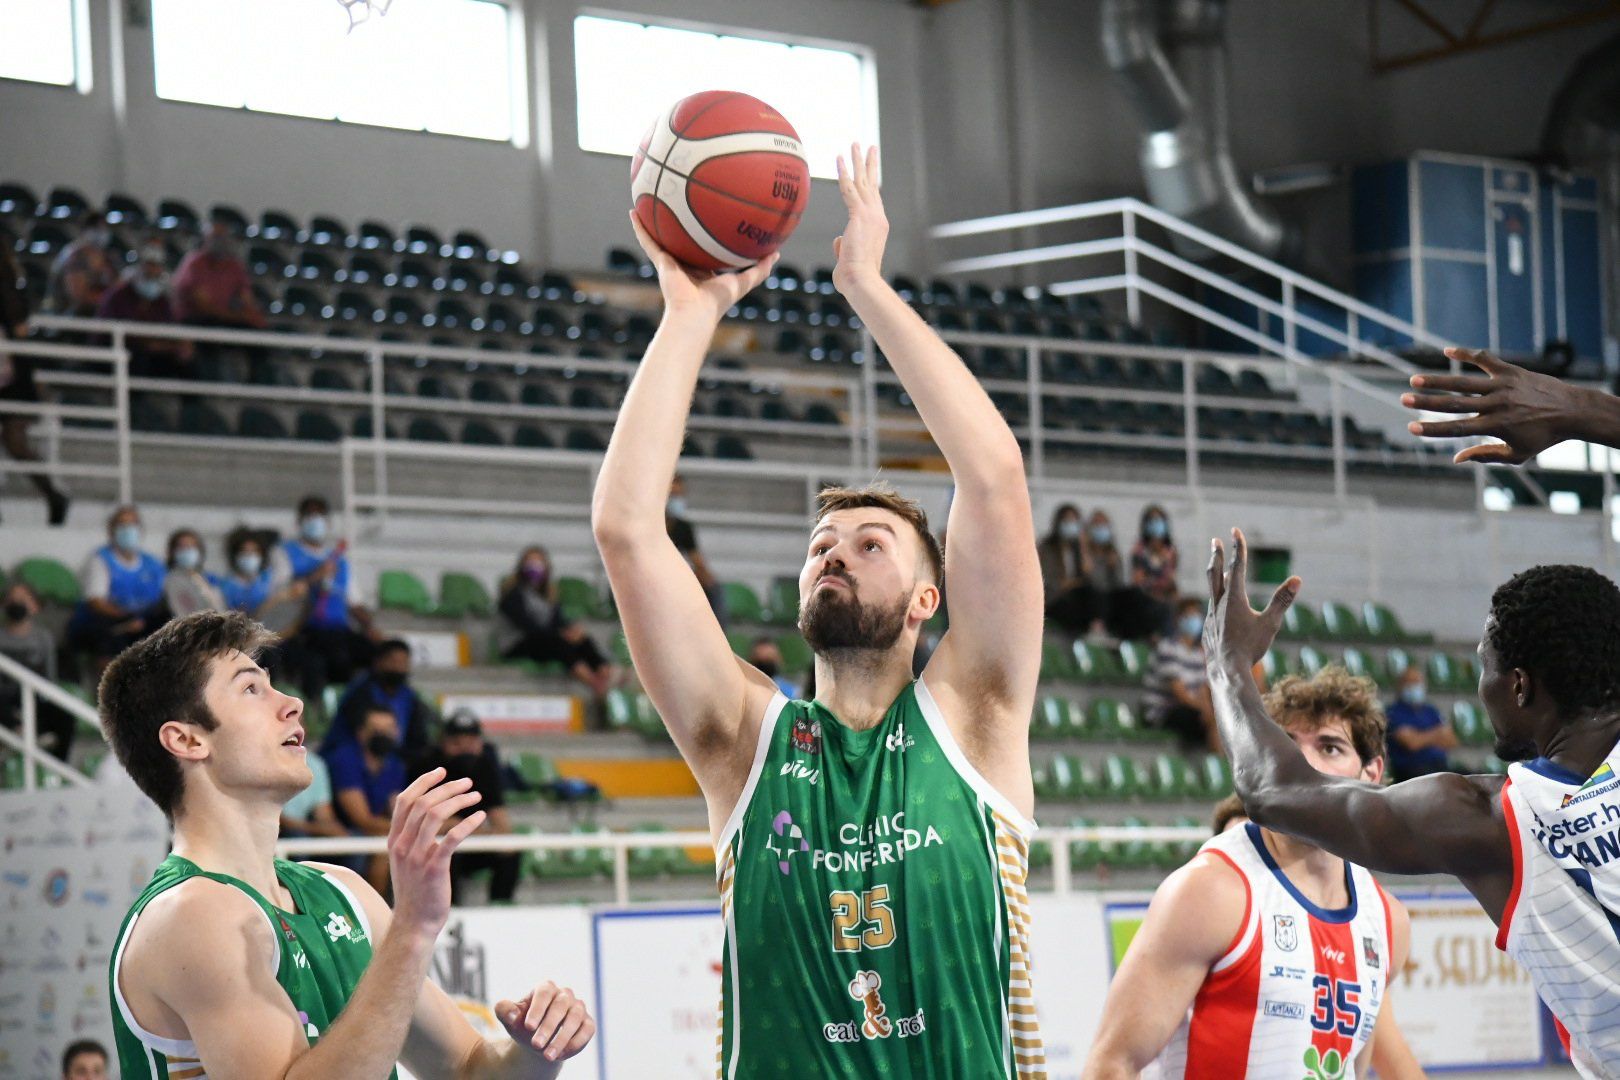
point(199, 966)
point(1194, 919)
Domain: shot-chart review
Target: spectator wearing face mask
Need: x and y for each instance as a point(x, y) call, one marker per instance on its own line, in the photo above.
point(245, 586)
point(464, 753)
point(368, 773)
point(122, 587)
point(142, 295)
point(766, 655)
point(333, 637)
point(1418, 735)
point(83, 271)
point(186, 588)
point(212, 286)
point(1178, 697)
point(1072, 602)
point(1126, 612)
point(1154, 563)
point(684, 536)
point(386, 686)
point(533, 627)
point(24, 639)
point(17, 383)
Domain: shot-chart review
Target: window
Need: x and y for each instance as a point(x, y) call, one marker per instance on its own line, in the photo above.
point(44, 41)
point(627, 73)
point(445, 66)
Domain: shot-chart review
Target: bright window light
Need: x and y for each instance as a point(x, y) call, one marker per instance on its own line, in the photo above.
point(1564, 502)
point(627, 73)
point(1497, 498)
point(37, 41)
point(444, 66)
point(1568, 456)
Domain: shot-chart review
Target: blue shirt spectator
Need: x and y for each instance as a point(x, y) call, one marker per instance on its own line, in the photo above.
point(1418, 735)
point(246, 585)
point(386, 686)
point(367, 773)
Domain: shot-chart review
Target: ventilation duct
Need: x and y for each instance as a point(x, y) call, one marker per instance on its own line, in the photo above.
point(1182, 105)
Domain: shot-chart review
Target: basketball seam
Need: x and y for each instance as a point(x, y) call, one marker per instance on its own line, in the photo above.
point(724, 97)
point(710, 187)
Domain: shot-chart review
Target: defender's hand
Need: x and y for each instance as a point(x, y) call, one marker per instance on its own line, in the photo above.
point(1527, 410)
point(1236, 636)
point(860, 250)
point(686, 289)
point(550, 1021)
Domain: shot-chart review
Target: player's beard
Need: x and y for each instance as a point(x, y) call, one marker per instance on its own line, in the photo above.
point(835, 622)
point(1513, 748)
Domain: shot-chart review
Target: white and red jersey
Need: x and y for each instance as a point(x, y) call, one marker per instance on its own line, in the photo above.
point(1562, 918)
point(1298, 991)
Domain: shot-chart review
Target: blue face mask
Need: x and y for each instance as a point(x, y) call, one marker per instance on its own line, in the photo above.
point(127, 537)
point(250, 563)
point(1414, 694)
point(1101, 534)
point(1069, 529)
point(1192, 625)
point(188, 558)
point(1156, 528)
point(313, 529)
point(677, 506)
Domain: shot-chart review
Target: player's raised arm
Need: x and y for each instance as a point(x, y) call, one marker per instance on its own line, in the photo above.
point(1434, 824)
point(993, 649)
point(680, 651)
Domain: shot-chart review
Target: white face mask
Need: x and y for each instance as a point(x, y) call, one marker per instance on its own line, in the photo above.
point(151, 288)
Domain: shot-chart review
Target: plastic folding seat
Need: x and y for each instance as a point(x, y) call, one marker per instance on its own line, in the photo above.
point(314, 265)
point(480, 433)
point(940, 293)
point(362, 429)
point(788, 309)
point(461, 277)
point(54, 582)
point(1173, 778)
point(401, 309)
point(742, 603)
point(449, 314)
point(231, 215)
point(330, 379)
point(276, 226)
point(1275, 664)
point(537, 394)
point(1252, 383)
point(489, 391)
point(584, 439)
point(1300, 623)
point(591, 326)
point(419, 240)
point(509, 281)
point(463, 594)
point(17, 200)
point(1339, 622)
point(316, 427)
point(784, 277)
point(988, 322)
point(426, 429)
point(258, 423)
point(586, 397)
point(176, 214)
point(1310, 661)
point(623, 261)
point(350, 305)
point(1470, 724)
point(362, 269)
point(820, 281)
point(373, 236)
point(434, 386)
point(976, 294)
point(266, 261)
point(45, 239)
point(412, 273)
point(63, 204)
point(555, 286)
point(1122, 778)
point(782, 602)
point(500, 318)
point(732, 448)
point(1356, 663)
point(467, 244)
point(532, 437)
point(829, 349)
point(1053, 718)
point(1213, 379)
point(580, 599)
point(122, 210)
point(1216, 774)
point(401, 590)
point(325, 231)
point(197, 417)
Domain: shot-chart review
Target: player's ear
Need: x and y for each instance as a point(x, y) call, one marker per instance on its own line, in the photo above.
point(183, 740)
point(1524, 688)
point(1373, 771)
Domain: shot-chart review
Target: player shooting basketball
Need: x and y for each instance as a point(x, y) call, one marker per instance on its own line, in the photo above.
point(871, 844)
point(1540, 848)
point(235, 963)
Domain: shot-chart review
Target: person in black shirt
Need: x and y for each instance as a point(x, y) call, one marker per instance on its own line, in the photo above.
point(17, 379)
point(684, 537)
point(462, 752)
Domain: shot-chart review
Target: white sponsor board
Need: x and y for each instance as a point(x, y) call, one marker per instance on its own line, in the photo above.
point(659, 981)
point(72, 860)
point(435, 648)
point(516, 714)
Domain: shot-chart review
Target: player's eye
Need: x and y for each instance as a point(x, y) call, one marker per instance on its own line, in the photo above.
point(870, 544)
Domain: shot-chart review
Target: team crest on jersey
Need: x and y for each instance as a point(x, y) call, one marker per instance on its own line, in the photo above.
point(1599, 782)
point(898, 739)
point(1369, 953)
point(1328, 1066)
point(1285, 932)
point(788, 841)
point(864, 988)
point(807, 735)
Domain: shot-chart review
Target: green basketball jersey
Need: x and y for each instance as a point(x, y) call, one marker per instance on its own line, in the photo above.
point(322, 949)
point(876, 923)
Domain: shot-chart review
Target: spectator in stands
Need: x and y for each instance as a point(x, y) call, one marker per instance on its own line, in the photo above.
point(386, 686)
point(246, 585)
point(123, 593)
point(83, 271)
point(212, 287)
point(1178, 697)
point(533, 626)
point(310, 813)
point(1418, 735)
point(463, 753)
point(25, 639)
point(1127, 612)
point(685, 538)
point(84, 1059)
point(17, 383)
point(1071, 600)
point(142, 295)
point(368, 772)
point(335, 635)
point(766, 655)
point(1153, 565)
point(186, 588)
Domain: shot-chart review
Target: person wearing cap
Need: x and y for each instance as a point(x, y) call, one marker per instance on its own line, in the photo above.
point(463, 753)
point(142, 295)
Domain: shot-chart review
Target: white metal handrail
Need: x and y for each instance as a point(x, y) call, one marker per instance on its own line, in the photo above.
point(622, 844)
point(117, 413)
point(26, 740)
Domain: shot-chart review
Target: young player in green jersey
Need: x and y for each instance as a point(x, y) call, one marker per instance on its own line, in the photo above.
point(872, 844)
point(235, 963)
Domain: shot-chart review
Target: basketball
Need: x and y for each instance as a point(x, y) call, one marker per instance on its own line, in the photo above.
point(720, 180)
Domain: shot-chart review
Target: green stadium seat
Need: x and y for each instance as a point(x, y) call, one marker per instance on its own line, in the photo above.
point(586, 862)
point(1133, 854)
point(1083, 661)
point(1443, 673)
point(1173, 778)
point(1057, 662)
point(1084, 854)
point(1063, 777)
point(621, 648)
point(462, 594)
point(1040, 855)
point(648, 862)
point(1470, 724)
point(648, 722)
point(580, 600)
point(1300, 624)
point(797, 656)
point(1103, 723)
point(1123, 778)
point(1135, 661)
point(1355, 662)
point(1182, 850)
point(742, 604)
point(782, 602)
point(1339, 622)
point(401, 590)
point(53, 581)
point(1396, 661)
point(1310, 661)
point(1382, 624)
point(1275, 664)
point(739, 641)
point(620, 708)
point(1216, 774)
point(1052, 718)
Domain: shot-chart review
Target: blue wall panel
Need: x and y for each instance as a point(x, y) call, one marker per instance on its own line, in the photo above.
point(1451, 201)
point(1454, 296)
point(1382, 221)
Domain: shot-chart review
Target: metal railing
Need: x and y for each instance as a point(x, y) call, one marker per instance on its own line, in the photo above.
point(620, 845)
point(25, 741)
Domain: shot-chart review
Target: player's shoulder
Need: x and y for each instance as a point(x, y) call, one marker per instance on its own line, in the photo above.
point(1200, 909)
point(1210, 880)
point(197, 925)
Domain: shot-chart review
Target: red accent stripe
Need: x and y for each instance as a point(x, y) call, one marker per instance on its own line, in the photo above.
point(1389, 932)
point(1563, 1036)
point(1248, 903)
point(1225, 1008)
point(1336, 957)
point(1514, 843)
